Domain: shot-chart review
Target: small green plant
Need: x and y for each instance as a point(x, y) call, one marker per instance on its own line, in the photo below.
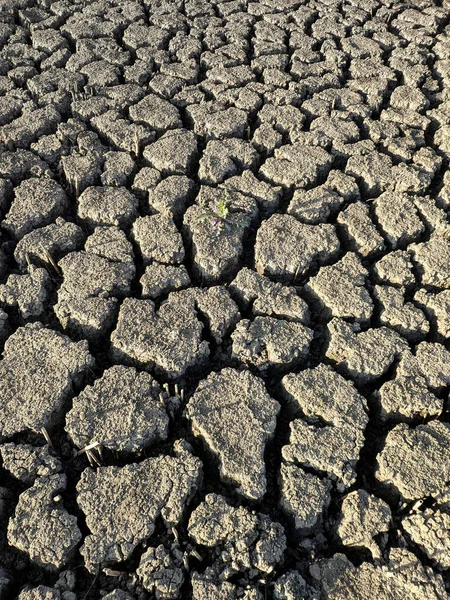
point(221, 218)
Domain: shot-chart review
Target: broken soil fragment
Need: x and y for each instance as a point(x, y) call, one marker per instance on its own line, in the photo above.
point(41, 527)
point(235, 416)
point(122, 411)
point(121, 504)
point(39, 371)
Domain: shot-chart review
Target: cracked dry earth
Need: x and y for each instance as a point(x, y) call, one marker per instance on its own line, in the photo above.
point(258, 411)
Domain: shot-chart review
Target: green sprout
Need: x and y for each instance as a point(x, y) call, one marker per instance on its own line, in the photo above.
point(220, 217)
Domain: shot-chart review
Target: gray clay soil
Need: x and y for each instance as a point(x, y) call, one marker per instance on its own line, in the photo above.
point(202, 405)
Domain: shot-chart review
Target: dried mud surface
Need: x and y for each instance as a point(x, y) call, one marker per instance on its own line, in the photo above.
point(249, 407)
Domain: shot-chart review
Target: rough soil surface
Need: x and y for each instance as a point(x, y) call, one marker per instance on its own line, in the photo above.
point(224, 299)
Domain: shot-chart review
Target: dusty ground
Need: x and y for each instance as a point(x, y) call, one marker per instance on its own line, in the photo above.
point(254, 406)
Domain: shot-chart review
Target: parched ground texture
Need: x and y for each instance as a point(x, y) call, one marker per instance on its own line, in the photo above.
point(207, 405)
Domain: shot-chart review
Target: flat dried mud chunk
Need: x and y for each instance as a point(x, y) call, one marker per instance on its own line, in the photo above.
point(224, 158)
point(78, 25)
point(322, 393)
point(315, 205)
point(339, 290)
point(240, 540)
point(110, 243)
point(235, 416)
point(285, 119)
point(120, 133)
point(430, 361)
point(81, 171)
point(164, 85)
point(415, 463)
point(11, 109)
point(155, 112)
point(266, 138)
point(121, 504)
point(402, 316)
point(443, 197)
point(125, 94)
point(406, 97)
point(286, 248)
point(344, 185)
point(174, 153)
point(28, 293)
point(437, 309)
point(172, 195)
point(56, 240)
point(304, 497)
point(117, 168)
point(398, 219)
point(404, 576)
point(363, 517)
point(363, 355)
point(373, 172)
point(39, 370)
point(433, 260)
point(431, 531)
point(268, 342)
point(433, 216)
point(267, 196)
point(159, 280)
point(329, 449)
point(217, 255)
point(362, 235)
point(441, 138)
point(107, 205)
point(87, 108)
point(22, 164)
point(405, 119)
point(41, 592)
point(158, 239)
point(204, 588)
point(122, 411)
point(216, 307)
point(374, 87)
point(30, 126)
point(266, 298)
point(94, 279)
point(297, 165)
point(168, 341)
point(291, 586)
point(42, 527)
point(50, 149)
point(27, 462)
point(101, 73)
point(407, 397)
point(395, 268)
point(161, 573)
point(37, 202)
point(213, 121)
point(140, 35)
